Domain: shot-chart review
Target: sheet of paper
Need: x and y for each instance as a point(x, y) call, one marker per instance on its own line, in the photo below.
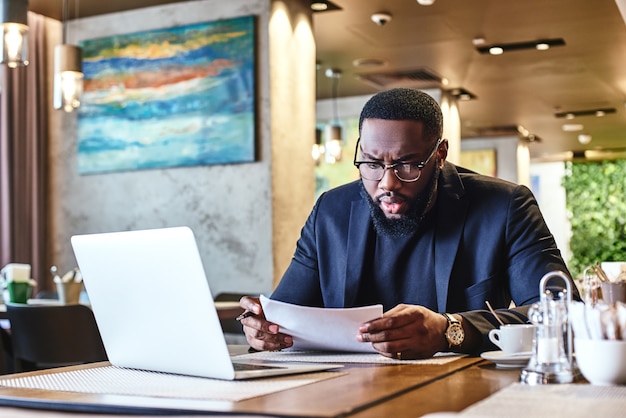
point(331, 329)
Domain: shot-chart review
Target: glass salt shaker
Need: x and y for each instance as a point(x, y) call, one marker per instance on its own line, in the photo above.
point(552, 356)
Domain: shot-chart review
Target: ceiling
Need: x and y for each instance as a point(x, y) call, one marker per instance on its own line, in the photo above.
point(432, 46)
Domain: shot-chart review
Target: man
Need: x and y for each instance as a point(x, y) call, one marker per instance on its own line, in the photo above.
point(430, 241)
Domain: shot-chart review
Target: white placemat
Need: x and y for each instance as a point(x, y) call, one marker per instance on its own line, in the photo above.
point(111, 380)
point(555, 400)
point(363, 358)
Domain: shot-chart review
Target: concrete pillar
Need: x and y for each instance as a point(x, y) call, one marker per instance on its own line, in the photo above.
point(292, 103)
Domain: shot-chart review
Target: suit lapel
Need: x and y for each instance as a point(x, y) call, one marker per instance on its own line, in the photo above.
point(358, 230)
point(452, 211)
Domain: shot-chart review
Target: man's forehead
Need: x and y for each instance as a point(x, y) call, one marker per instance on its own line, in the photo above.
point(385, 135)
point(398, 129)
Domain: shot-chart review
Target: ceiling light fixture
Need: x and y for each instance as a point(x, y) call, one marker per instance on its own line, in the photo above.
point(14, 42)
point(368, 63)
point(572, 127)
point(584, 139)
point(587, 112)
point(522, 131)
point(462, 94)
point(599, 154)
point(526, 135)
point(605, 154)
point(542, 44)
point(68, 71)
point(318, 6)
point(426, 2)
point(381, 18)
point(323, 6)
point(479, 40)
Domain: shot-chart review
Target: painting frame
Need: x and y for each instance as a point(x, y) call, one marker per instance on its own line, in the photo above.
point(172, 97)
point(483, 161)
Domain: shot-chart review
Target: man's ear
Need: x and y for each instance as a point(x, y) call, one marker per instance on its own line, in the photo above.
point(442, 153)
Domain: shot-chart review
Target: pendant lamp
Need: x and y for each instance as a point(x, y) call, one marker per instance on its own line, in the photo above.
point(333, 138)
point(318, 148)
point(68, 71)
point(14, 18)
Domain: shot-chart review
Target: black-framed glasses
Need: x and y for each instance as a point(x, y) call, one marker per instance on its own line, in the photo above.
point(407, 172)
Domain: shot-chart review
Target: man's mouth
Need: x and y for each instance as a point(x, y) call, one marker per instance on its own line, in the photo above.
point(392, 206)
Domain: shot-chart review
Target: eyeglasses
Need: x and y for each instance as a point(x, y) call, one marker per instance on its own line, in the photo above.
point(407, 172)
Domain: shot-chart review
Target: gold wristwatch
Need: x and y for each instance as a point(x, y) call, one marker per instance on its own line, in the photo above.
point(454, 334)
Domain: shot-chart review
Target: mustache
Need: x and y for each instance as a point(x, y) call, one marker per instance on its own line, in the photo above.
point(391, 196)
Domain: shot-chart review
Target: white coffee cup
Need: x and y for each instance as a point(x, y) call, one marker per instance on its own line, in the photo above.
point(16, 272)
point(513, 338)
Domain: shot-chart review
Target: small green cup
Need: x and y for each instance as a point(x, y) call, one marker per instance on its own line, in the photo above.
point(19, 292)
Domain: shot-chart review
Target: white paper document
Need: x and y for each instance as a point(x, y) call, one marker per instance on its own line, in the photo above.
point(330, 329)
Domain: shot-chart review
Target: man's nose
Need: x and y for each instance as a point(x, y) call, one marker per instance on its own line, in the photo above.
point(389, 181)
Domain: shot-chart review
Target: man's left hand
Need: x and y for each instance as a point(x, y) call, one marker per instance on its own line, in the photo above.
point(406, 332)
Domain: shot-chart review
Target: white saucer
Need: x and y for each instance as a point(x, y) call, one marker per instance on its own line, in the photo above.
point(509, 361)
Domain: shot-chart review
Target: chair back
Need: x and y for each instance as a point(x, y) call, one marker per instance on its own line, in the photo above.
point(230, 325)
point(49, 336)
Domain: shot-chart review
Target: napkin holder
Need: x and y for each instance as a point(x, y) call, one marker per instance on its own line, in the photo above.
point(552, 356)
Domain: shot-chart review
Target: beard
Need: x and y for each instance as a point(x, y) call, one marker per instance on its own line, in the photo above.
point(409, 222)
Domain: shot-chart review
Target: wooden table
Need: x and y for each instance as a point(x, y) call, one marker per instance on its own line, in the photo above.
point(365, 391)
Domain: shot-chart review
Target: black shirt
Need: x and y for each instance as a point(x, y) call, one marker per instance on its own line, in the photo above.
point(401, 270)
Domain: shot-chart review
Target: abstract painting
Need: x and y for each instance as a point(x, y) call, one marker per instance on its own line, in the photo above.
point(180, 96)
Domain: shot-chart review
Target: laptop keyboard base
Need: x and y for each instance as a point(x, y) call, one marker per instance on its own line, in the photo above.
point(240, 367)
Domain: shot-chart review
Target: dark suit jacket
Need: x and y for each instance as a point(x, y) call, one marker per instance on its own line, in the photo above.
point(491, 244)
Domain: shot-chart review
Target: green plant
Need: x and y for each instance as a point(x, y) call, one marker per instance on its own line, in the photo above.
point(596, 205)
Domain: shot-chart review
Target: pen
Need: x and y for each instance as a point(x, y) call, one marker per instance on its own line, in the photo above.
point(244, 315)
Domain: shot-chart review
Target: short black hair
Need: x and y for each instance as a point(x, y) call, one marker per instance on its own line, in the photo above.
point(405, 104)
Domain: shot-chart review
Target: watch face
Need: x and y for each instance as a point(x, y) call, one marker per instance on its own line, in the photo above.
point(455, 334)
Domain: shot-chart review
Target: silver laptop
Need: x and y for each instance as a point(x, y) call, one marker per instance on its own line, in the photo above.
point(154, 308)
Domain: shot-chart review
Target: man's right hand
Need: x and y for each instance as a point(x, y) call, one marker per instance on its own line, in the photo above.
point(261, 334)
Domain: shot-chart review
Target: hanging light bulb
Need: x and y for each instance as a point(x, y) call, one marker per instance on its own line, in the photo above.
point(318, 148)
point(333, 137)
point(333, 144)
point(68, 77)
point(14, 18)
point(68, 72)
